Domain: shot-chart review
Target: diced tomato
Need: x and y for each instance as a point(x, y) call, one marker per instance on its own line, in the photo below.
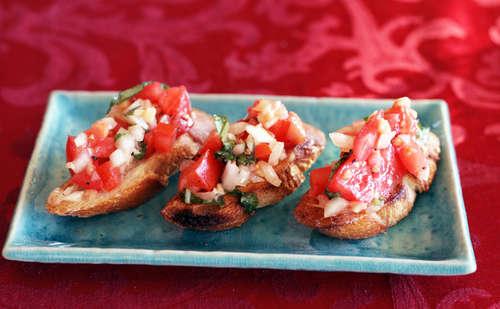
point(149, 140)
point(296, 134)
point(319, 180)
point(151, 92)
point(164, 137)
point(213, 143)
point(72, 150)
point(401, 119)
point(388, 172)
point(262, 151)
point(176, 104)
point(87, 181)
point(365, 141)
point(411, 155)
point(103, 148)
point(98, 130)
point(280, 129)
point(290, 131)
point(354, 181)
point(203, 174)
point(252, 113)
point(110, 175)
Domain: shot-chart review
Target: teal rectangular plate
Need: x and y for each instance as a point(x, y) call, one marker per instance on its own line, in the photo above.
point(432, 240)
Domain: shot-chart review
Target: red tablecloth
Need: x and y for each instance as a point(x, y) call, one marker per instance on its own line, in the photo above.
point(423, 49)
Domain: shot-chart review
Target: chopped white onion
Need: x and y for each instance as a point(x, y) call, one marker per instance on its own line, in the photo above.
point(384, 140)
point(126, 143)
point(239, 149)
point(137, 132)
point(255, 179)
point(383, 126)
point(135, 105)
point(343, 141)
point(137, 120)
point(80, 162)
point(149, 116)
point(212, 195)
point(230, 176)
point(164, 119)
point(259, 134)
point(269, 173)
point(270, 112)
point(118, 157)
point(237, 127)
point(335, 206)
point(109, 122)
point(81, 140)
point(277, 150)
point(250, 143)
point(234, 176)
point(404, 102)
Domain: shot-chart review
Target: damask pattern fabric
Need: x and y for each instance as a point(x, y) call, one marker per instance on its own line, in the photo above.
point(346, 48)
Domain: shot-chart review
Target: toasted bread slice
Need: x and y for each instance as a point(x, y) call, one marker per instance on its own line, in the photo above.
point(364, 224)
point(142, 180)
point(232, 213)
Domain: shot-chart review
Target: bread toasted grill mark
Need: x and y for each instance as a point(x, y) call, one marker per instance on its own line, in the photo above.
point(205, 217)
point(139, 184)
point(232, 214)
point(363, 225)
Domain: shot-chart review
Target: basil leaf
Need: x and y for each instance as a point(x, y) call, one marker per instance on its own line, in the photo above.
point(249, 201)
point(245, 159)
point(142, 153)
point(126, 94)
point(222, 126)
point(117, 136)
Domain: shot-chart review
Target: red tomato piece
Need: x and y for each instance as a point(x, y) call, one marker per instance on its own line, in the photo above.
point(365, 141)
point(175, 103)
point(72, 150)
point(98, 130)
point(87, 181)
point(103, 148)
point(111, 176)
point(280, 129)
point(203, 174)
point(252, 113)
point(296, 134)
point(388, 172)
point(411, 156)
point(262, 151)
point(213, 143)
point(319, 180)
point(354, 181)
point(152, 92)
point(149, 140)
point(164, 137)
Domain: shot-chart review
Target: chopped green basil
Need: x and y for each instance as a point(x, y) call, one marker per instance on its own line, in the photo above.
point(117, 136)
point(248, 200)
point(142, 151)
point(245, 159)
point(128, 93)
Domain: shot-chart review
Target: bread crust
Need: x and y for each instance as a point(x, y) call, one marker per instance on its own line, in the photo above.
point(364, 225)
point(140, 182)
point(232, 214)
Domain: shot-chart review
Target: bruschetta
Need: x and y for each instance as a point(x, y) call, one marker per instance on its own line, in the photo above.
point(249, 164)
point(125, 157)
point(386, 159)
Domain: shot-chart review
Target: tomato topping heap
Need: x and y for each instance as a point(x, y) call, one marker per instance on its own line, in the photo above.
point(241, 153)
point(375, 155)
point(141, 121)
